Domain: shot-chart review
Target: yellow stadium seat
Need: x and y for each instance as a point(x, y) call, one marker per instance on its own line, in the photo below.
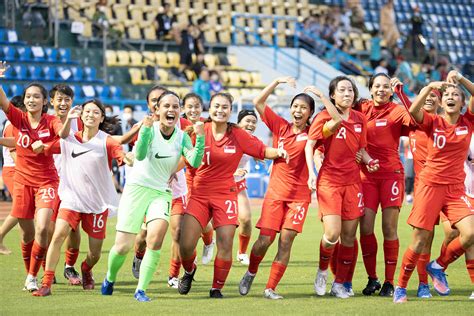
point(256, 78)
point(123, 58)
point(164, 76)
point(161, 59)
point(136, 59)
point(136, 12)
point(120, 11)
point(210, 36)
point(232, 59)
point(235, 93)
point(149, 58)
point(173, 59)
point(150, 12)
point(245, 93)
point(245, 78)
point(224, 77)
point(133, 30)
point(210, 60)
point(234, 78)
point(190, 74)
point(111, 57)
point(148, 29)
point(135, 76)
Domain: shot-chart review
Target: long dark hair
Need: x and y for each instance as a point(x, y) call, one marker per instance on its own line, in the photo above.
point(229, 98)
point(43, 91)
point(333, 87)
point(308, 100)
point(157, 87)
point(110, 122)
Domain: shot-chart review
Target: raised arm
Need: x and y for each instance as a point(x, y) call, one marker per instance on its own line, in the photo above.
point(260, 100)
point(7, 142)
point(144, 138)
point(74, 113)
point(4, 102)
point(128, 136)
point(417, 105)
point(456, 77)
point(194, 155)
point(331, 126)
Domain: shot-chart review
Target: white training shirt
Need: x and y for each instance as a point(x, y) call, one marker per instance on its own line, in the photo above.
point(469, 170)
point(85, 180)
point(57, 157)
point(178, 186)
point(243, 164)
point(7, 157)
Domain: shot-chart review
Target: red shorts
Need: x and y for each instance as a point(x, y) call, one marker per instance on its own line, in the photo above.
point(346, 201)
point(7, 176)
point(241, 185)
point(277, 215)
point(222, 210)
point(431, 200)
point(93, 224)
point(56, 204)
point(178, 206)
point(386, 192)
point(26, 199)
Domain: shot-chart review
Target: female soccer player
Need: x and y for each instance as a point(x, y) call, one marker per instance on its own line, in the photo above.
point(158, 150)
point(386, 122)
point(247, 120)
point(343, 133)
point(441, 184)
point(214, 193)
point(86, 159)
point(287, 199)
point(193, 107)
point(36, 179)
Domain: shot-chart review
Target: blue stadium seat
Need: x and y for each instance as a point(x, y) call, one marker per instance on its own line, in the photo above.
point(77, 73)
point(24, 53)
point(51, 54)
point(15, 89)
point(50, 73)
point(9, 53)
point(41, 55)
point(65, 55)
point(78, 94)
point(10, 73)
point(103, 92)
point(88, 91)
point(35, 73)
point(3, 35)
point(21, 72)
point(116, 92)
point(90, 74)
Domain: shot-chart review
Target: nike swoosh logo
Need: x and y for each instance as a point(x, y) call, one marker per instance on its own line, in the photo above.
point(75, 155)
point(96, 231)
point(157, 156)
point(393, 199)
point(231, 217)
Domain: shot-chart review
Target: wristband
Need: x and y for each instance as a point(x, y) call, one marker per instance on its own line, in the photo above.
point(371, 163)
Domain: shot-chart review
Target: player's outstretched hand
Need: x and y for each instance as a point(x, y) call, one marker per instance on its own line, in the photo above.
point(313, 90)
point(283, 154)
point(241, 172)
point(453, 76)
point(440, 85)
point(3, 68)
point(148, 121)
point(38, 147)
point(129, 158)
point(312, 181)
point(373, 165)
point(358, 156)
point(199, 128)
point(289, 80)
point(395, 82)
point(75, 112)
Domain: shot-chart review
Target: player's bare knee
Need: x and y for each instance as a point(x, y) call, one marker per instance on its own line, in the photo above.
point(467, 239)
point(347, 239)
point(389, 232)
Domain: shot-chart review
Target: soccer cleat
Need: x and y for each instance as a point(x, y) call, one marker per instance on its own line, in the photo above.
point(31, 283)
point(387, 289)
point(243, 259)
point(400, 295)
point(424, 291)
point(372, 286)
point(141, 296)
point(440, 283)
point(246, 283)
point(88, 282)
point(43, 291)
point(271, 295)
point(320, 282)
point(136, 267)
point(72, 276)
point(215, 293)
point(107, 287)
point(338, 290)
point(472, 296)
point(184, 284)
point(348, 286)
point(173, 282)
point(207, 252)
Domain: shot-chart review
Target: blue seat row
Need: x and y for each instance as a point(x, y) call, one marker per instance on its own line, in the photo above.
point(35, 54)
point(51, 73)
point(80, 92)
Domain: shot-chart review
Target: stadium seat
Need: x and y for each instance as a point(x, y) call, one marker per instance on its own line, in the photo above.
point(111, 58)
point(9, 53)
point(161, 59)
point(102, 92)
point(38, 54)
point(77, 73)
point(149, 58)
point(90, 74)
point(173, 59)
point(11, 73)
point(24, 53)
point(15, 89)
point(116, 92)
point(51, 54)
point(88, 91)
point(123, 58)
point(35, 73)
point(136, 59)
point(50, 73)
point(65, 55)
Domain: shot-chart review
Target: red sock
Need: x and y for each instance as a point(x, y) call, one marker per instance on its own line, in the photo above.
point(276, 273)
point(243, 243)
point(86, 267)
point(26, 254)
point(409, 261)
point(470, 269)
point(324, 256)
point(71, 256)
point(175, 265)
point(333, 262)
point(48, 278)
point(37, 257)
point(207, 237)
point(140, 253)
point(368, 245)
point(221, 271)
point(344, 262)
point(390, 251)
point(355, 254)
point(453, 251)
point(421, 267)
point(188, 264)
point(254, 262)
point(442, 251)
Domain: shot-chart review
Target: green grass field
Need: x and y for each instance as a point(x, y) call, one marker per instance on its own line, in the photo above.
point(296, 285)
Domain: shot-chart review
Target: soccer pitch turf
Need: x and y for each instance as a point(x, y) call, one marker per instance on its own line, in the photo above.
point(296, 285)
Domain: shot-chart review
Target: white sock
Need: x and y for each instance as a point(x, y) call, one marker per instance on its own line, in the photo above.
point(436, 265)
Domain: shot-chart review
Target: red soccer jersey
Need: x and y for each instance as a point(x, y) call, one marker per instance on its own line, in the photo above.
point(287, 180)
point(33, 169)
point(418, 147)
point(448, 147)
point(339, 164)
point(215, 177)
point(385, 124)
